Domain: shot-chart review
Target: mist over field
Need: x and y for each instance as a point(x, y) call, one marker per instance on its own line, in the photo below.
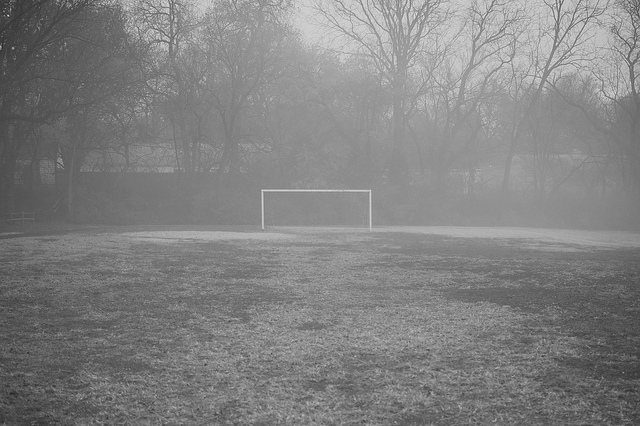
point(485, 113)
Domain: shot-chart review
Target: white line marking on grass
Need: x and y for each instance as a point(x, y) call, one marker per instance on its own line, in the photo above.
point(587, 239)
point(170, 236)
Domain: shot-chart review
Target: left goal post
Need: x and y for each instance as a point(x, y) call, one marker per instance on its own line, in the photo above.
point(361, 191)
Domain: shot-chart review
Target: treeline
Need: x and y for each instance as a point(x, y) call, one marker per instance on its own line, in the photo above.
point(400, 94)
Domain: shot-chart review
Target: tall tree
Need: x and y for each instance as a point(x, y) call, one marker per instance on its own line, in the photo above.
point(56, 56)
point(622, 89)
point(609, 95)
point(98, 66)
point(246, 44)
point(450, 113)
point(394, 33)
point(31, 32)
point(168, 26)
point(561, 41)
point(352, 100)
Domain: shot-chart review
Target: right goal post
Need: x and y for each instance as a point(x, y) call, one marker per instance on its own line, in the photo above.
point(302, 191)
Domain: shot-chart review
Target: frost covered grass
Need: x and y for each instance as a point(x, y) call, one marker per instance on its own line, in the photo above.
point(205, 326)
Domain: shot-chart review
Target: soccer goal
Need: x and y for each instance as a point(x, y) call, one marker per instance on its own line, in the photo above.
point(316, 207)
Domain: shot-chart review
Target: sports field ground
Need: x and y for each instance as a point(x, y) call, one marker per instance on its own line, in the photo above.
point(400, 326)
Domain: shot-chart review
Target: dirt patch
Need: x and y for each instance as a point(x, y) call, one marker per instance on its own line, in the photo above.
point(596, 300)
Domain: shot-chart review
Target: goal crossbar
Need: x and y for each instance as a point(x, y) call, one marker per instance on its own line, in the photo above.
point(362, 191)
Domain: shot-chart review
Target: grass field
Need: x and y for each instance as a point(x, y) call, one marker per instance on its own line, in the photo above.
point(201, 326)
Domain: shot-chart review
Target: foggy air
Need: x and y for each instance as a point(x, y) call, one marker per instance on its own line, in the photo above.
point(490, 112)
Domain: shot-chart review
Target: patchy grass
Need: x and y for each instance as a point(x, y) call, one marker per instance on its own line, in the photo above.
point(99, 327)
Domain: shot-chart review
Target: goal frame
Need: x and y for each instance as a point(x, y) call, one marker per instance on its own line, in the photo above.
point(361, 191)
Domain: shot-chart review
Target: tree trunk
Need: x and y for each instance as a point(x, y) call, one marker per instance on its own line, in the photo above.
point(8, 160)
point(515, 138)
point(398, 167)
point(7, 187)
point(634, 169)
point(70, 171)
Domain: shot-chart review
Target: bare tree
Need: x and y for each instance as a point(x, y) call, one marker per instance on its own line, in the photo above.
point(609, 96)
point(394, 33)
point(352, 100)
point(31, 31)
point(558, 142)
point(561, 42)
point(245, 42)
point(168, 27)
point(622, 90)
point(451, 110)
point(99, 66)
point(56, 57)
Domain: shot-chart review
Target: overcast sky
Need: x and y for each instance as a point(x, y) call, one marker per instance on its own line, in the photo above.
point(314, 33)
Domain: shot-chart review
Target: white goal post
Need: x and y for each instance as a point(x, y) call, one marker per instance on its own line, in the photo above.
point(362, 191)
